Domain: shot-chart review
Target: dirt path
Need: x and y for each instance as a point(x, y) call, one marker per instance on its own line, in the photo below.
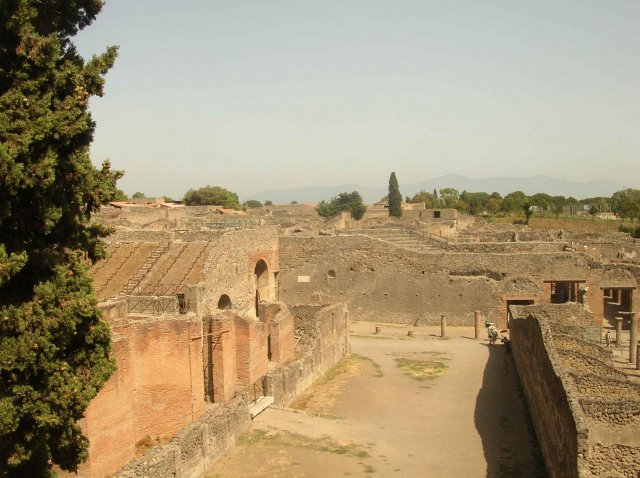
point(401, 407)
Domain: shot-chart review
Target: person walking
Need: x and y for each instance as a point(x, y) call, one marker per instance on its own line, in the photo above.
point(607, 338)
point(493, 334)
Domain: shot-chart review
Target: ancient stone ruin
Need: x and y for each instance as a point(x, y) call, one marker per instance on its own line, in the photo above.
point(215, 316)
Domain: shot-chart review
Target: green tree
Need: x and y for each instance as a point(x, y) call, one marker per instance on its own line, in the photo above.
point(476, 202)
point(542, 200)
point(268, 203)
point(211, 195)
point(493, 205)
point(557, 205)
point(450, 197)
point(54, 349)
point(351, 202)
point(514, 202)
point(118, 195)
point(430, 201)
point(528, 212)
point(138, 195)
point(573, 205)
point(626, 203)
point(395, 198)
point(253, 203)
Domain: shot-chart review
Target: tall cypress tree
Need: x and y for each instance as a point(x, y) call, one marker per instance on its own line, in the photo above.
point(395, 198)
point(54, 349)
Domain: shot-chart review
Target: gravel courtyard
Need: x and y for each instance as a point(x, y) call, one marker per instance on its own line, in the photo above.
point(399, 406)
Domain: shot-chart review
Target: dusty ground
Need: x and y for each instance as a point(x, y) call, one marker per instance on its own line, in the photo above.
point(399, 407)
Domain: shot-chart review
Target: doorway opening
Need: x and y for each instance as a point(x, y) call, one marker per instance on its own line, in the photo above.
point(262, 284)
point(617, 302)
point(565, 291)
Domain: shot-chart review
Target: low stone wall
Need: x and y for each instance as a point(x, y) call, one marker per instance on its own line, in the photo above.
point(585, 411)
point(506, 247)
point(322, 333)
point(195, 449)
point(141, 235)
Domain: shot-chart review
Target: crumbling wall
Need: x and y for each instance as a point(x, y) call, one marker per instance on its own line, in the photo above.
point(280, 324)
point(585, 411)
point(194, 450)
point(390, 284)
point(322, 333)
point(230, 267)
point(141, 235)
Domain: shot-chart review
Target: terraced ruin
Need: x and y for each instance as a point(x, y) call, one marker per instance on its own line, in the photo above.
point(216, 318)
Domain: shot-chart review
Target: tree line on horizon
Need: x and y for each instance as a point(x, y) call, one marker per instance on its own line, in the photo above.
point(624, 203)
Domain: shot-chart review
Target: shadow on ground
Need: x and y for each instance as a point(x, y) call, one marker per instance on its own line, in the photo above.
point(503, 422)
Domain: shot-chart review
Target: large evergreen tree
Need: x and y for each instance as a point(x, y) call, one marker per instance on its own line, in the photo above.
point(54, 350)
point(395, 198)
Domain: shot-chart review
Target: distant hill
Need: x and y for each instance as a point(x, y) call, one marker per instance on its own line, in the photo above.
point(530, 185)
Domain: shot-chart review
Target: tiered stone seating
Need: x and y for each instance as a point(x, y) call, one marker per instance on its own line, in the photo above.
point(112, 274)
point(401, 238)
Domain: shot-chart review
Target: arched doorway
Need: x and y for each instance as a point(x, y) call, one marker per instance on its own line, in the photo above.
point(262, 283)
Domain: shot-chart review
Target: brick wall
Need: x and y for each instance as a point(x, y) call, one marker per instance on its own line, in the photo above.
point(282, 338)
point(110, 418)
point(167, 369)
point(279, 322)
point(219, 356)
point(251, 351)
point(323, 333)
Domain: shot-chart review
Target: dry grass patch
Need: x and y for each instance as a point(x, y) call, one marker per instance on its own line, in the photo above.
point(322, 395)
point(422, 366)
point(283, 438)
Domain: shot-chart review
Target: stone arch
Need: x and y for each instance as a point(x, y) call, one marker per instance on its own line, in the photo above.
point(521, 285)
point(224, 302)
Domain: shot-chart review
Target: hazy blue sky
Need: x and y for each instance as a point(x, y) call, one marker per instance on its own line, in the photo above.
point(255, 95)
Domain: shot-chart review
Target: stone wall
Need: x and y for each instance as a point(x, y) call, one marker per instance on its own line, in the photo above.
point(218, 262)
point(322, 333)
point(230, 269)
point(506, 247)
point(586, 412)
point(141, 235)
point(391, 284)
point(195, 449)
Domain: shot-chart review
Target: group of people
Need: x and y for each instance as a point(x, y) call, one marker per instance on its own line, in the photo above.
point(493, 334)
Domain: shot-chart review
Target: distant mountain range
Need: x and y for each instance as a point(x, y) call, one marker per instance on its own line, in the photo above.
point(531, 185)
